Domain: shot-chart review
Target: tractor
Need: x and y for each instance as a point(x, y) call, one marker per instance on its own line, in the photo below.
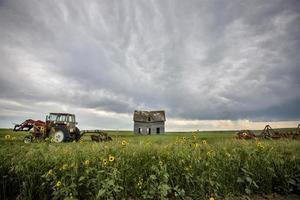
point(60, 127)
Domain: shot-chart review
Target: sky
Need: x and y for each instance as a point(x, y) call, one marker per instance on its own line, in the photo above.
point(210, 64)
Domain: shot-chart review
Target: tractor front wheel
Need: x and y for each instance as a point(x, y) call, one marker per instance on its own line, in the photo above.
point(60, 134)
point(28, 139)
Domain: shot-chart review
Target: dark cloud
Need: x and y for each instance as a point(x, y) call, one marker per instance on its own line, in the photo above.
point(196, 59)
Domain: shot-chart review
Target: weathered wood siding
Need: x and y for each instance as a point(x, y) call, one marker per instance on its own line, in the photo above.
point(144, 126)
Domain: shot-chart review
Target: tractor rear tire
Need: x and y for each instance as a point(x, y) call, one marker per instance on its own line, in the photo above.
point(61, 134)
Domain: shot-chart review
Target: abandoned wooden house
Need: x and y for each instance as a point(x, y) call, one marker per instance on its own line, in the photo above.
point(149, 122)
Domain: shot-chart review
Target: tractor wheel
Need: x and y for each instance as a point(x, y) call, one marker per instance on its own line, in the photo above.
point(60, 134)
point(77, 134)
point(28, 139)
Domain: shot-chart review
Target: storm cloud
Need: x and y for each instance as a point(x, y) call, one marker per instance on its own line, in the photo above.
point(198, 60)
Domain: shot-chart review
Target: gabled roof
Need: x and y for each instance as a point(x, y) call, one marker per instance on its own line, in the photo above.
point(149, 116)
point(61, 113)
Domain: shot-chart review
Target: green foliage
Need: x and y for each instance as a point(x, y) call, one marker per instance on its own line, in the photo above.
point(170, 166)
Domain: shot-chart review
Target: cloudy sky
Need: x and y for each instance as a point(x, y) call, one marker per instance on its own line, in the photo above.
point(211, 64)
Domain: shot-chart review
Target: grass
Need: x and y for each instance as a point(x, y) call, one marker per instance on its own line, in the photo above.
point(167, 166)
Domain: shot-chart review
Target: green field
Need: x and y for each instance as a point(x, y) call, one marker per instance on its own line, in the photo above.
point(168, 166)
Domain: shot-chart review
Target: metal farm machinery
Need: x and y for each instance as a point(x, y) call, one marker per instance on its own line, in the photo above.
point(269, 133)
point(245, 134)
point(60, 127)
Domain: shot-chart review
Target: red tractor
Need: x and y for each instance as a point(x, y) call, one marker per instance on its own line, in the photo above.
point(61, 127)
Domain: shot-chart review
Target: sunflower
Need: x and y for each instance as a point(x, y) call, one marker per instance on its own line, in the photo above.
point(111, 158)
point(140, 183)
point(50, 172)
point(124, 142)
point(58, 184)
point(87, 162)
point(64, 167)
point(161, 163)
point(7, 137)
point(104, 161)
point(260, 145)
point(211, 198)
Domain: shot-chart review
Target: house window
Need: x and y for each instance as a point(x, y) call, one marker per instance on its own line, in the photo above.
point(148, 131)
point(149, 119)
point(158, 130)
point(140, 130)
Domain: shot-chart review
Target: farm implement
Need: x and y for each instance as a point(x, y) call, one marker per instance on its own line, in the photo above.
point(245, 134)
point(59, 127)
point(269, 133)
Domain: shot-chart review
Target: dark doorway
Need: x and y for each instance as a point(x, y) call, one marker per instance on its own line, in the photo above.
point(149, 131)
point(158, 130)
point(140, 130)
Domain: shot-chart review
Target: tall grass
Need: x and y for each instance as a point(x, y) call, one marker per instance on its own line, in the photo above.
point(172, 166)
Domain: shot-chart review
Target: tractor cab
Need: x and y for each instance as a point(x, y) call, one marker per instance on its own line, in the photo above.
point(62, 126)
point(61, 118)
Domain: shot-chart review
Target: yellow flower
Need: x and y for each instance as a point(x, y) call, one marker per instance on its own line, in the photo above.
point(161, 163)
point(7, 137)
point(211, 198)
point(58, 184)
point(204, 142)
point(124, 142)
point(87, 162)
point(13, 138)
point(140, 183)
point(65, 166)
point(210, 153)
point(104, 161)
point(197, 145)
point(188, 168)
point(260, 145)
point(50, 172)
point(111, 158)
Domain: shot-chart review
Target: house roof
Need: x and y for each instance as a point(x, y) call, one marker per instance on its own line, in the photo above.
point(61, 114)
point(149, 116)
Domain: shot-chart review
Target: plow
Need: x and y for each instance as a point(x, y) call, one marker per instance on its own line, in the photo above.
point(269, 133)
point(59, 127)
